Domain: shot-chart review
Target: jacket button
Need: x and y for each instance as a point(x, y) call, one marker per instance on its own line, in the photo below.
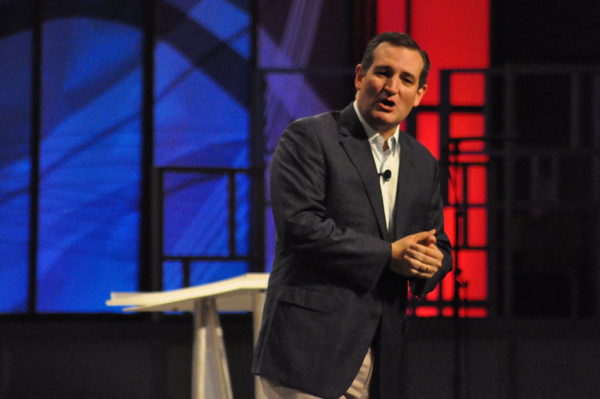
point(374, 316)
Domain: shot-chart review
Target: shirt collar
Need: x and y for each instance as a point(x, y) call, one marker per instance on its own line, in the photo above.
point(372, 134)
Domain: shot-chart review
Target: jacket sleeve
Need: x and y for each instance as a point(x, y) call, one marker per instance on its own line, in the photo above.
point(421, 287)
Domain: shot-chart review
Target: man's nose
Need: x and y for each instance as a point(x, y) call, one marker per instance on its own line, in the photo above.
point(393, 85)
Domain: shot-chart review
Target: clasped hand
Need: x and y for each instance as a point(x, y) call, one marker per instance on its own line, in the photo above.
point(416, 255)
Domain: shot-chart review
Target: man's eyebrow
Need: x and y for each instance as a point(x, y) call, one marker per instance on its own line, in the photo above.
point(383, 67)
point(408, 75)
point(388, 68)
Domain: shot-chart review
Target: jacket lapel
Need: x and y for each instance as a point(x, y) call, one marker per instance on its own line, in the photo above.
point(407, 172)
point(356, 144)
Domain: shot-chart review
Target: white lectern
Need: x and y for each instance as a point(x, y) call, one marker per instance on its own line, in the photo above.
point(210, 373)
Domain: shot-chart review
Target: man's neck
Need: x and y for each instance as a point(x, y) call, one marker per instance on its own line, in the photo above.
point(387, 134)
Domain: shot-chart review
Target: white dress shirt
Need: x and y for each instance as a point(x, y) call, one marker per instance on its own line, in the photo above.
point(388, 159)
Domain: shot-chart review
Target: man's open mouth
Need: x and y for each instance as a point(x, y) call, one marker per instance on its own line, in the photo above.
point(387, 103)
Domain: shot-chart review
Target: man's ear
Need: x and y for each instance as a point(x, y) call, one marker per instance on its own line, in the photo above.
point(420, 94)
point(359, 76)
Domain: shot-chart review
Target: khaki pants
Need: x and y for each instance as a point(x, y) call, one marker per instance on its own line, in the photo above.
point(358, 390)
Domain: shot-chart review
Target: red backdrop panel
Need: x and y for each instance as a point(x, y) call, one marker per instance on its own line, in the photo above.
point(455, 34)
point(391, 16)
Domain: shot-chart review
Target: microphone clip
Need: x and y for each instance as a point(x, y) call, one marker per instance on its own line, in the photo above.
point(387, 174)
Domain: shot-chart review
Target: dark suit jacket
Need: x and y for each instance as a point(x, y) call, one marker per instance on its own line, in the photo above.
point(331, 294)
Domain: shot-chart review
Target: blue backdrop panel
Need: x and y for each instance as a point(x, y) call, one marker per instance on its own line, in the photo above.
point(202, 120)
point(242, 215)
point(172, 275)
point(196, 122)
point(90, 164)
point(201, 272)
point(208, 272)
point(195, 222)
point(201, 89)
point(15, 167)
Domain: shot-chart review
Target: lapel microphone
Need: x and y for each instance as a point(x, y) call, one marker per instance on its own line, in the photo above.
point(386, 175)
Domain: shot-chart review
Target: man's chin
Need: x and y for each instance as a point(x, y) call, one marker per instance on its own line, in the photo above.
point(385, 121)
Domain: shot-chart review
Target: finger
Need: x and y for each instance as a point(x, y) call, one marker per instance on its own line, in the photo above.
point(421, 270)
point(424, 263)
point(428, 272)
point(419, 265)
point(432, 239)
point(423, 235)
point(431, 251)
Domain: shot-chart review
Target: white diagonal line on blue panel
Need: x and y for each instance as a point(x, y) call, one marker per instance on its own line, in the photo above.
point(226, 22)
point(291, 91)
point(207, 226)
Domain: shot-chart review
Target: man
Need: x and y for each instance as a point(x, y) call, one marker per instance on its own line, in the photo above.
point(359, 216)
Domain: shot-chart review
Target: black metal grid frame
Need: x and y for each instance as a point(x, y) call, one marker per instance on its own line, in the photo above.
point(186, 260)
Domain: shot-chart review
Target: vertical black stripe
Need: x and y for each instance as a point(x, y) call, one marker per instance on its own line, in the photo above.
point(408, 16)
point(157, 214)
point(35, 140)
point(257, 150)
point(186, 267)
point(444, 113)
point(150, 277)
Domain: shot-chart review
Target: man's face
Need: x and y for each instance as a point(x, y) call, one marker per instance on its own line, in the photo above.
point(388, 91)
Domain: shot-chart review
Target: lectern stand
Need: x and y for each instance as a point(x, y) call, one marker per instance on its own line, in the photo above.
point(210, 373)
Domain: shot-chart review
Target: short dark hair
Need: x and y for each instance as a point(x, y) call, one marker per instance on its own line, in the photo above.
point(399, 40)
